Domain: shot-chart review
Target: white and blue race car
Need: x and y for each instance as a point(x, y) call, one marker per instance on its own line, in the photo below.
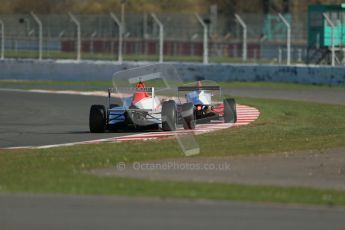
point(145, 110)
point(205, 109)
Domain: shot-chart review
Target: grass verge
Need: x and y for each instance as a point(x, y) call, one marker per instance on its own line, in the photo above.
point(282, 126)
point(129, 57)
point(104, 84)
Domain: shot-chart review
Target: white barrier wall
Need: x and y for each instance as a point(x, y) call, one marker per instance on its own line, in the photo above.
point(103, 70)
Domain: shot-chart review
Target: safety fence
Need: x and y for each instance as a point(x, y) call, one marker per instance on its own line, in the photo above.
point(240, 38)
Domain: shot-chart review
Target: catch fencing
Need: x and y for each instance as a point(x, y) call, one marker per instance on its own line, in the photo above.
point(240, 38)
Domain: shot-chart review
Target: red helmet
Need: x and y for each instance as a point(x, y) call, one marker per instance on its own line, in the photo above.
point(140, 85)
point(138, 96)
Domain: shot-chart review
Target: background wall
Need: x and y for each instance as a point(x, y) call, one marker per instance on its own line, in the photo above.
point(103, 70)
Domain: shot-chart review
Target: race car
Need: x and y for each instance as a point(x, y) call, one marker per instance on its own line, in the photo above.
point(145, 110)
point(141, 110)
point(199, 98)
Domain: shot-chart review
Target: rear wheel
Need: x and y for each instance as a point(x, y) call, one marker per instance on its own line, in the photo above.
point(169, 116)
point(188, 116)
point(97, 119)
point(230, 113)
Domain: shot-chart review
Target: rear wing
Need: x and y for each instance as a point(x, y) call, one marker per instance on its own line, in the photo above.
point(133, 89)
point(195, 88)
point(146, 89)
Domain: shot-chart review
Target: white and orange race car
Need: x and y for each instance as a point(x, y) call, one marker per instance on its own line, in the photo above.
point(145, 110)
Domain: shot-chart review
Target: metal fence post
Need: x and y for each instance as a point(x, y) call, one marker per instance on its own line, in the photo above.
point(329, 21)
point(123, 23)
point(2, 39)
point(161, 37)
point(123, 3)
point(288, 45)
point(244, 37)
point(120, 26)
point(77, 23)
point(40, 35)
point(203, 24)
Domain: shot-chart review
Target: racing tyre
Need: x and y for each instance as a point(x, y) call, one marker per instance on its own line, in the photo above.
point(169, 116)
point(97, 119)
point(188, 116)
point(230, 113)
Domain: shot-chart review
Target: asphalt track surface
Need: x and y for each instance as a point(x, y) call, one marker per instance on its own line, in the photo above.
point(327, 96)
point(36, 119)
point(91, 212)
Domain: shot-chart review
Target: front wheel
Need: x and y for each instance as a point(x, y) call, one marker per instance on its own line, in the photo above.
point(169, 116)
point(230, 113)
point(97, 119)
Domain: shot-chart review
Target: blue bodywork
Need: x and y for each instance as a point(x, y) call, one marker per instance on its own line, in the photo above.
point(199, 97)
point(194, 98)
point(115, 117)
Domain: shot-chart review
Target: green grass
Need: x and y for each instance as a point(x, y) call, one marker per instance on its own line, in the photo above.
point(104, 84)
point(132, 57)
point(44, 83)
point(283, 126)
point(276, 85)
